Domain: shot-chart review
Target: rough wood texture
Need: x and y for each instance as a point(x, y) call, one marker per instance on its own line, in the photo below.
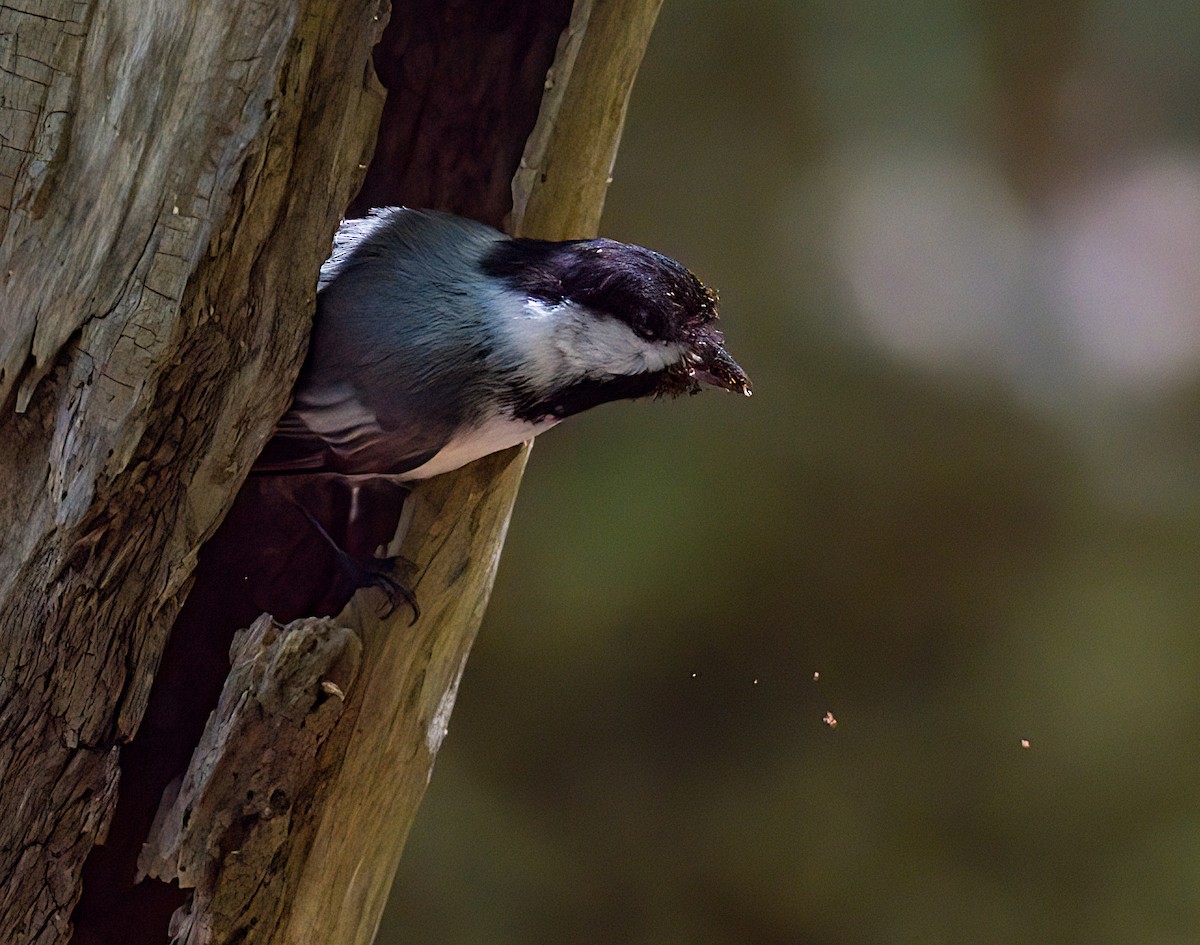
point(559, 191)
point(342, 854)
point(169, 178)
point(407, 694)
point(258, 765)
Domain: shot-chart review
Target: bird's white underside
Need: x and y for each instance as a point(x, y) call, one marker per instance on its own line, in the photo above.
point(497, 434)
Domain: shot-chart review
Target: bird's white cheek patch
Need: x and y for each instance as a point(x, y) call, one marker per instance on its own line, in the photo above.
point(567, 340)
point(593, 346)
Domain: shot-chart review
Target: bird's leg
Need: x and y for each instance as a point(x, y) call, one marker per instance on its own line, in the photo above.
point(363, 576)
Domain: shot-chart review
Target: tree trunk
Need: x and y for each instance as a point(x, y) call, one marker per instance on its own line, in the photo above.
point(171, 177)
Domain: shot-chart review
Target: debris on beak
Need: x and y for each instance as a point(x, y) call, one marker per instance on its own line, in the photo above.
point(709, 363)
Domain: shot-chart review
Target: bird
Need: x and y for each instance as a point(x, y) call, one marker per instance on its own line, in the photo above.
point(438, 340)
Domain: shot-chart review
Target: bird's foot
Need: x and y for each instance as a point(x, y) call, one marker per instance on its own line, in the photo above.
point(379, 574)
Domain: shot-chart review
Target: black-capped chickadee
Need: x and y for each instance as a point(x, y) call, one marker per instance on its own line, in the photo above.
point(439, 340)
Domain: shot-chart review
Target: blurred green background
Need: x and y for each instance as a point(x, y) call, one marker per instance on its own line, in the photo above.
point(958, 249)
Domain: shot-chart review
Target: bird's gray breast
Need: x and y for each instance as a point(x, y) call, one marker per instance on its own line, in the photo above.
point(402, 358)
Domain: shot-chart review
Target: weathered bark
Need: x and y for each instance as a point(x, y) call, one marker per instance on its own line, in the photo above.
point(189, 197)
point(234, 815)
point(170, 176)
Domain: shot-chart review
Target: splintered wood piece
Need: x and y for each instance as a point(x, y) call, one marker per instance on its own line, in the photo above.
point(231, 829)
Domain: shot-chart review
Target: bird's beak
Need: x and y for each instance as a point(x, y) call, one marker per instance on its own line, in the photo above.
point(709, 363)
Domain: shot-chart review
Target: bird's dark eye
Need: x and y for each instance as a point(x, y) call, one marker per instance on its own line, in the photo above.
point(644, 326)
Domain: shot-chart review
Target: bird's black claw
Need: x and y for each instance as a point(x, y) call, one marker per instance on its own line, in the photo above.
point(361, 576)
point(381, 575)
point(396, 592)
